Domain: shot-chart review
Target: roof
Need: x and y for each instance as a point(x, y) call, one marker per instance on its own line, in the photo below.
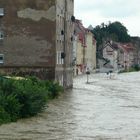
point(127, 47)
point(81, 31)
point(113, 45)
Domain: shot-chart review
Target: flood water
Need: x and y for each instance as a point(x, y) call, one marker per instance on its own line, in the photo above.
point(105, 109)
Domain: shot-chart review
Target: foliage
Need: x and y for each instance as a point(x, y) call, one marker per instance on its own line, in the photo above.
point(115, 31)
point(4, 116)
point(10, 105)
point(54, 90)
point(25, 97)
point(131, 69)
point(120, 31)
point(136, 67)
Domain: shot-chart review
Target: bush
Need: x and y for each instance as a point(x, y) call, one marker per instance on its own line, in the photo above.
point(25, 97)
point(54, 90)
point(136, 67)
point(11, 106)
point(31, 96)
point(4, 116)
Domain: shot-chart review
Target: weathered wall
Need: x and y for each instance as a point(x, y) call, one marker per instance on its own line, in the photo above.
point(29, 37)
point(29, 28)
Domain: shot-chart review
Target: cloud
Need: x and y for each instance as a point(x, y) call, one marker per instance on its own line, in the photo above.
point(95, 12)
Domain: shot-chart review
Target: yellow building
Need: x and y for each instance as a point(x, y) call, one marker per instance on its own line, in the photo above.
point(84, 51)
point(90, 51)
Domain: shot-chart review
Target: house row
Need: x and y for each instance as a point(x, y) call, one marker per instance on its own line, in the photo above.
point(84, 49)
point(117, 56)
point(36, 39)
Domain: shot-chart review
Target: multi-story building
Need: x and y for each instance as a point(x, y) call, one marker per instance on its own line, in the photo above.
point(36, 38)
point(84, 49)
point(90, 51)
point(118, 56)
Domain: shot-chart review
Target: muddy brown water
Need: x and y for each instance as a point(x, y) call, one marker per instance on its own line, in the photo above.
point(104, 109)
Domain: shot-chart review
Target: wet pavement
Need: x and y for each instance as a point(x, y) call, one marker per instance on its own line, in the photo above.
point(104, 109)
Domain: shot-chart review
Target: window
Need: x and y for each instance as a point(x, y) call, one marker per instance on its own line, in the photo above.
point(59, 58)
point(1, 12)
point(62, 32)
point(1, 58)
point(73, 18)
point(1, 35)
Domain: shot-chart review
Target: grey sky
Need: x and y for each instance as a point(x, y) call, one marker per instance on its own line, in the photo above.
point(95, 12)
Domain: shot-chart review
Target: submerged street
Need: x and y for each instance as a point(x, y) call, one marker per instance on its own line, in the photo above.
point(104, 109)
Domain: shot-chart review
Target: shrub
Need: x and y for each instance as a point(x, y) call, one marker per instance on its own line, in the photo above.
point(136, 67)
point(31, 96)
point(25, 97)
point(54, 90)
point(4, 116)
point(11, 105)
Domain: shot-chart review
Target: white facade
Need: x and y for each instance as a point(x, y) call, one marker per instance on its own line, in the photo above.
point(90, 52)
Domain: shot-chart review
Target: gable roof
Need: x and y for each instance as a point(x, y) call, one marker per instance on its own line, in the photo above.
point(127, 47)
point(80, 31)
point(111, 44)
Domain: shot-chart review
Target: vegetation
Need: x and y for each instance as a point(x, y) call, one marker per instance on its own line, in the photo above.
point(25, 97)
point(115, 31)
point(132, 69)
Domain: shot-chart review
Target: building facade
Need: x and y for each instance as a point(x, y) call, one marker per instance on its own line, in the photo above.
point(84, 48)
point(36, 37)
point(90, 51)
point(118, 56)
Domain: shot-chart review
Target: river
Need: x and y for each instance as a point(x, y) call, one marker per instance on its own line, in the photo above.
point(104, 109)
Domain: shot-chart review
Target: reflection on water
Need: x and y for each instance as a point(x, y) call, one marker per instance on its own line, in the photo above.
point(105, 109)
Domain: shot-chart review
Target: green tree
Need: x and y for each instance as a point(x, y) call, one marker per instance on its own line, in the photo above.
point(115, 31)
point(119, 30)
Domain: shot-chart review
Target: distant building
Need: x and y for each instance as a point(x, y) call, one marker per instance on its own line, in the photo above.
point(84, 49)
point(90, 27)
point(118, 56)
point(36, 39)
point(90, 51)
point(136, 42)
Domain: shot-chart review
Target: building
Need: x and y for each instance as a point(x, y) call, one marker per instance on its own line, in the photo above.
point(79, 48)
point(136, 42)
point(36, 38)
point(84, 49)
point(127, 57)
point(118, 56)
point(64, 40)
point(90, 51)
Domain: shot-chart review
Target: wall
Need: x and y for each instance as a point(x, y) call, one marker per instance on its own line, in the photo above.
point(29, 28)
point(90, 52)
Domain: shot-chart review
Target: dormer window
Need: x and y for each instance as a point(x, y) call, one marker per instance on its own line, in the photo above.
point(1, 12)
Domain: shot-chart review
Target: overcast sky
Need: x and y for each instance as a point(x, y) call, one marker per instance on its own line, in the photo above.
point(95, 12)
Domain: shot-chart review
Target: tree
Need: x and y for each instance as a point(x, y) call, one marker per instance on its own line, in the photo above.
point(120, 31)
point(115, 31)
